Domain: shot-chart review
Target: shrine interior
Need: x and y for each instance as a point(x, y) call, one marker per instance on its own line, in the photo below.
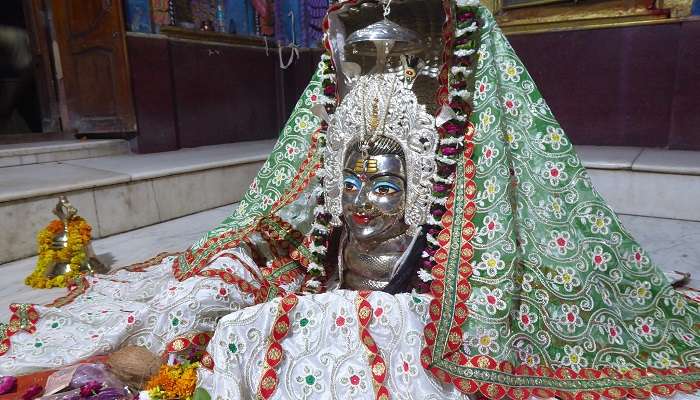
point(332, 199)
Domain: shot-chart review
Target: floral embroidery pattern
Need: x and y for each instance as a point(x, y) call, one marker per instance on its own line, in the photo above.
point(311, 381)
point(355, 381)
point(566, 269)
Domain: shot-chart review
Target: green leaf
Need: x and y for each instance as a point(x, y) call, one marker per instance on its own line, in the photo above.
point(201, 394)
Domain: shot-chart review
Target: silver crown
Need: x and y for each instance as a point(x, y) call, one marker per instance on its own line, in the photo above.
point(383, 105)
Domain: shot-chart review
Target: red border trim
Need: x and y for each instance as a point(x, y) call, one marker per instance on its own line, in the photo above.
point(377, 365)
point(269, 380)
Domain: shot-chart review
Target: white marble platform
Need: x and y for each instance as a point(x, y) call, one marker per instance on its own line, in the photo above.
point(646, 182)
point(640, 159)
point(668, 161)
point(608, 157)
point(123, 192)
point(673, 245)
point(59, 150)
point(649, 194)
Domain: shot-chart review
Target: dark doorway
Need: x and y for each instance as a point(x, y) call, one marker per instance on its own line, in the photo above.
point(20, 109)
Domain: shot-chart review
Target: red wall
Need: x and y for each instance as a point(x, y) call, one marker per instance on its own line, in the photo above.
point(189, 94)
point(634, 86)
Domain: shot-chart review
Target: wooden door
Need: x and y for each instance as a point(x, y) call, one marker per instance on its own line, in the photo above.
point(92, 67)
point(37, 26)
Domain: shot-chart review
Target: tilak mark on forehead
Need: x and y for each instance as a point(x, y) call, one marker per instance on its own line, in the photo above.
point(366, 166)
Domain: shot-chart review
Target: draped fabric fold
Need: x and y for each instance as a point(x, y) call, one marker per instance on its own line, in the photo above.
point(538, 289)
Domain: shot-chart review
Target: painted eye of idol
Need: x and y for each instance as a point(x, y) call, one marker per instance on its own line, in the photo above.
point(351, 183)
point(385, 188)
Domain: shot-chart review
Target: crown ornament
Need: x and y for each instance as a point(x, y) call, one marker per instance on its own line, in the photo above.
point(382, 106)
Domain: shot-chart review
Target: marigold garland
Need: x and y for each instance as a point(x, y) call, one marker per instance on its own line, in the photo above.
point(79, 235)
point(173, 382)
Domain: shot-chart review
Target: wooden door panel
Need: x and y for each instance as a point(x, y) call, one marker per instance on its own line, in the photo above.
point(84, 17)
point(38, 28)
point(95, 82)
point(217, 97)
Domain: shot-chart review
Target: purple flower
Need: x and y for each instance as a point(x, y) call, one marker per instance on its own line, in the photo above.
point(423, 287)
point(90, 388)
point(7, 384)
point(445, 170)
point(462, 40)
point(437, 213)
point(427, 264)
point(457, 104)
point(465, 16)
point(440, 187)
point(451, 128)
point(329, 90)
point(449, 150)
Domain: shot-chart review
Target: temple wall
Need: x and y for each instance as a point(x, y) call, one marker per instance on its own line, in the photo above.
point(625, 86)
point(631, 86)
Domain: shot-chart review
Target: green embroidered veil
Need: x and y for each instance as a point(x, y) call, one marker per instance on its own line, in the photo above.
point(537, 287)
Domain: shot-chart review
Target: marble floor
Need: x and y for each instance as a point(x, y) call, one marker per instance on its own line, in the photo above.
point(674, 245)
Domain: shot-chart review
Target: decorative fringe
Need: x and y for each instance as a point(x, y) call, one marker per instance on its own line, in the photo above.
point(452, 140)
point(467, 3)
point(432, 240)
point(445, 160)
point(464, 53)
point(459, 69)
point(452, 121)
point(424, 275)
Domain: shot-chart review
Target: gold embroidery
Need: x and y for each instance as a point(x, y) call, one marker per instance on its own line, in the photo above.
point(374, 119)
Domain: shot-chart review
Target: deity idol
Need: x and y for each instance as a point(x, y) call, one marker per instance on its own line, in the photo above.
point(422, 229)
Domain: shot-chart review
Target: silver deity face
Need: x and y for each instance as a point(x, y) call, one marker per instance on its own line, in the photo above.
point(382, 106)
point(374, 197)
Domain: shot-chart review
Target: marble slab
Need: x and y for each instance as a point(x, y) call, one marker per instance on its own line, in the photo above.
point(668, 161)
point(673, 245)
point(59, 150)
point(27, 181)
point(147, 166)
point(125, 192)
point(121, 208)
point(608, 157)
point(183, 194)
point(10, 161)
point(649, 194)
point(19, 149)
